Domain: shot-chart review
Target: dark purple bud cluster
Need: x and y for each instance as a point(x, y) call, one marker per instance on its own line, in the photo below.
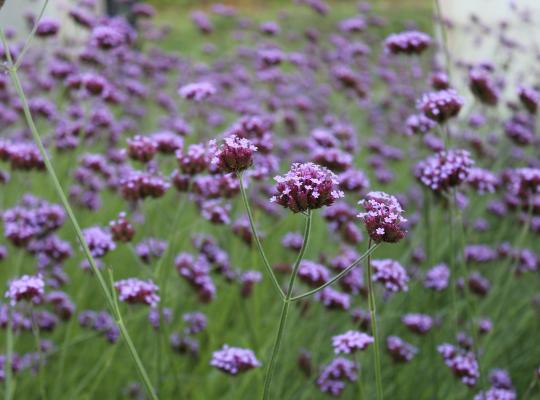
point(441, 106)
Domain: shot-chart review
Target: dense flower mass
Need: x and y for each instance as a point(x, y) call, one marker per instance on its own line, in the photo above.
point(383, 217)
point(136, 291)
point(445, 169)
point(306, 187)
point(234, 360)
point(148, 127)
point(441, 106)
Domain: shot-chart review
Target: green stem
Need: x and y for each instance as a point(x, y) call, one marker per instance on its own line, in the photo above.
point(266, 264)
point(451, 202)
point(9, 356)
point(285, 309)
point(359, 383)
point(373, 313)
point(338, 276)
point(427, 224)
point(60, 192)
point(41, 361)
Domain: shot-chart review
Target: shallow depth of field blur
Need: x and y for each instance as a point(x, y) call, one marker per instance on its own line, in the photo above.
point(305, 81)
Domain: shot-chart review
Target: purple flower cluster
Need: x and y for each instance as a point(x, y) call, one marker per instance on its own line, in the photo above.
point(101, 322)
point(437, 278)
point(99, 241)
point(351, 341)
point(235, 155)
point(334, 376)
point(444, 170)
point(441, 106)
point(26, 288)
point(409, 42)
point(418, 323)
point(462, 363)
point(234, 360)
point(391, 275)
point(306, 187)
point(136, 291)
point(197, 272)
point(383, 217)
point(312, 273)
point(400, 350)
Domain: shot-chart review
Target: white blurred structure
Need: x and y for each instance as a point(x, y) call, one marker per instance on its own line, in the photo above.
point(13, 13)
point(521, 19)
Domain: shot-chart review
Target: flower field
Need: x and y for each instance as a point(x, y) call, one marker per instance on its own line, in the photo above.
point(306, 201)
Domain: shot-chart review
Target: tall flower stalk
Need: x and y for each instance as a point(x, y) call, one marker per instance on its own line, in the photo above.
point(373, 318)
point(285, 309)
point(109, 294)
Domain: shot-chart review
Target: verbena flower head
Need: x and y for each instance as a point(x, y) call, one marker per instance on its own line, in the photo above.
point(418, 323)
point(234, 155)
point(495, 393)
point(313, 273)
point(530, 99)
point(482, 180)
point(234, 360)
point(351, 341)
point(306, 187)
point(27, 287)
point(106, 37)
point(418, 124)
point(440, 106)
point(136, 291)
point(391, 274)
point(410, 42)
point(483, 87)
point(99, 241)
point(445, 169)
point(400, 350)
point(383, 217)
point(437, 277)
point(333, 376)
point(463, 364)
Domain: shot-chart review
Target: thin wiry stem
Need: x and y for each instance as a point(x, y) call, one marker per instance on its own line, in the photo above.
point(266, 264)
point(338, 276)
point(285, 309)
point(109, 295)
point(373, 316)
